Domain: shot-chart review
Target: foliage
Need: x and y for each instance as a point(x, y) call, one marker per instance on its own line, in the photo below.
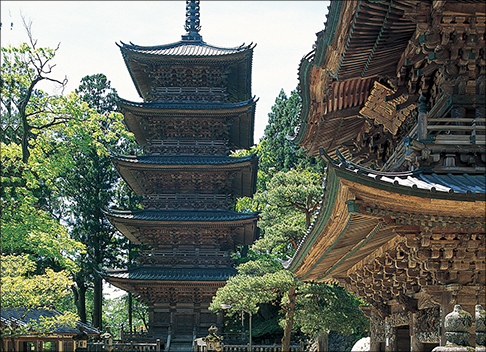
point(115, 314)
point(23, 105)
point(56, 168)
point(94, 185)
point(287, 206)
point(322, 307)
point(23, 290)
point(279, 150)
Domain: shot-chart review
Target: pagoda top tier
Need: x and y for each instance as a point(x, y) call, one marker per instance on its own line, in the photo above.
point(190, 65)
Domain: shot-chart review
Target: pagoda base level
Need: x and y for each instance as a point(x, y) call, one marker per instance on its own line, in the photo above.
point(182, 321)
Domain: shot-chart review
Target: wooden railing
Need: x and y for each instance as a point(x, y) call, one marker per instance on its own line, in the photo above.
point(456, 131)
point(254, 348)
point(125, 347)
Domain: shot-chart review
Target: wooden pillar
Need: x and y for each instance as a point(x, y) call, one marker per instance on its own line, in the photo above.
point(377, 331)
point(422, 119)
point(415, 345)
point(391, 338)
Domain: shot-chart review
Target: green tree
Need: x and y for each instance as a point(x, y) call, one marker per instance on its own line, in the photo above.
point(91, 186)
point(22, 104)
point(288, 205)
point(23, 290)
point(281, 152)
point(116, 314)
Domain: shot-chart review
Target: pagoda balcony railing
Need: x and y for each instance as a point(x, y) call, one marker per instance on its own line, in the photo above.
point(197, 252)
point(187, 201)
point(197, 197)
point(188, 147)
point(189, 94)
point(187, 142)
point(456, 131)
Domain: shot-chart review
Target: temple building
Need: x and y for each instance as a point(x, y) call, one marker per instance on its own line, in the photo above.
point(197, 107)
point(394, 99)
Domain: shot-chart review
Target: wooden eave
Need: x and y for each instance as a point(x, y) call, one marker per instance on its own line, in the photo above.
point(244, 229)
point(354, 221)
point(334, 119)
point(241, 118)
point(364, 40)
point(244, 185)
point(133, 286)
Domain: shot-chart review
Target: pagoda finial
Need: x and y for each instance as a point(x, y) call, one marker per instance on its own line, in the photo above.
point(192, 25)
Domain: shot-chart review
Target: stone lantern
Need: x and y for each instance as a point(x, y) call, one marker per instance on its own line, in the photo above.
point(81, 340)
point(213, 341)
point(456, 324)
point(108, 341)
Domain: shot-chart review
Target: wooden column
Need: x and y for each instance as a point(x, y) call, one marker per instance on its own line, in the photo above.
point(391, 338)
point(414, 344)
point(422, 119)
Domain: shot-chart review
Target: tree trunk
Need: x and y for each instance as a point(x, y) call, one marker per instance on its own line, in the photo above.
point(98, 283)
point(289, 320)
point(98, 302)
point(80, 299)
point(130, 311)
point(323, 341)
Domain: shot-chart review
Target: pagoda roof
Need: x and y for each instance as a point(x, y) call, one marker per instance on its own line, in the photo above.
point(185, 52)
point(182, 215)
point(190, 107)
point(241, 113)
point(246, 166)
point(151, 273)
point(189, 160)
point(127, 221)
point(372, 207)
point(183, 49)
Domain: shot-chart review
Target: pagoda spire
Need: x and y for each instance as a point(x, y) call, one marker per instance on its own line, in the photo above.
point(192, 25)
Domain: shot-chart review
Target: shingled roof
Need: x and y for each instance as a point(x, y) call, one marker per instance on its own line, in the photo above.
point(169, 274)
point(24, 316)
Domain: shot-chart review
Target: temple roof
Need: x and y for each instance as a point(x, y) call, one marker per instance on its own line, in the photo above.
point(171, 274)
point(372, 206)
point(187, 53)
point(362, 40)
point(22, 317)
point(240, 115)
point(185, 106)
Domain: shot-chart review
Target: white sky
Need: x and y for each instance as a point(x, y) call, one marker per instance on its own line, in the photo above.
point(284, 32)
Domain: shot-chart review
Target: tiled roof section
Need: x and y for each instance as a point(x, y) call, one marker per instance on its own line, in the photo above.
point(449, 183)
point(183, 160)
point(419, 179)
point(181, 215)
point(186, 106)
point(184, 48)
point(171, 274)
point(34, 315)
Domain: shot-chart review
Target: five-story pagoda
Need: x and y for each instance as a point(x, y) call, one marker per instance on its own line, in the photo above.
point(197, 107)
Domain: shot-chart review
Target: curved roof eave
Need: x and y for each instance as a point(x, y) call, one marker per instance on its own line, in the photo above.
point(462, 188)
point(316, 58)
point(123, 103)
point(183, 160)
point(184, 49)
